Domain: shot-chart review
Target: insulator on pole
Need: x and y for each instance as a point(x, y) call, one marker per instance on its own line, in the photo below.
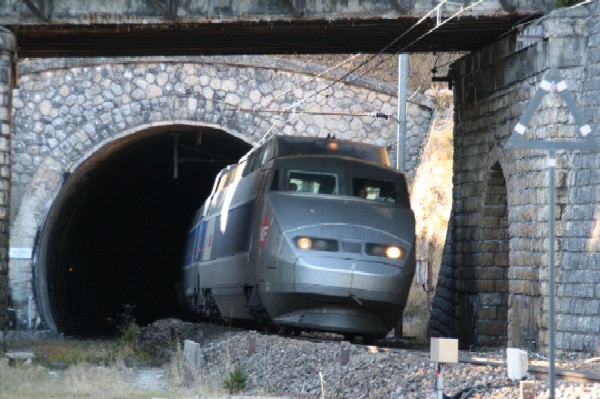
point(380, 115)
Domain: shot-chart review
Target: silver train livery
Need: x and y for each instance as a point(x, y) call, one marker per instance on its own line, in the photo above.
point(304, 234)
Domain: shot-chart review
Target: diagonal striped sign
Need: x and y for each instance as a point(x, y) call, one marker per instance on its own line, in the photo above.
point(552, 82)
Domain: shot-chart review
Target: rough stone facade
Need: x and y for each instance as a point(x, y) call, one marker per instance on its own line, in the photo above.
point(493, 285)
point(7, 53)
point(66, 110)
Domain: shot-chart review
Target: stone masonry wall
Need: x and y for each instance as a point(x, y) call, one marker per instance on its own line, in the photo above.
point(65, 110)
point(493, 88)
point(7, 51)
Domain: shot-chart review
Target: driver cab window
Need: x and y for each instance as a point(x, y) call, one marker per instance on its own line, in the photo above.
point(312, 182)
point(374, 189)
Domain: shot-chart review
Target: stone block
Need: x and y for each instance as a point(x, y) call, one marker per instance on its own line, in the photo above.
point(488, 327)
point(487, 313)
point(501, 259)
point(192, 353)
point(501, 285)
point(576, 342)
point(565, 27)
point(523, 273)
point(491, 299)
point(482, 286)
point(524, 287)
point(489, 246)
point(486, 260)
point(466, 286)
point(467, 273)
point(490, 273)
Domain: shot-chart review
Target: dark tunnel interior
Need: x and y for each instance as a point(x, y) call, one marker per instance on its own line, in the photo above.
point(115, 234)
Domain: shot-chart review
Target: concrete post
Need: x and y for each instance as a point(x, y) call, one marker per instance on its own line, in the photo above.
point(7, 53)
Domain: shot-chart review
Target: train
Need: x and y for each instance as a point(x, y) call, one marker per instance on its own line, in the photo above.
point(304, 234)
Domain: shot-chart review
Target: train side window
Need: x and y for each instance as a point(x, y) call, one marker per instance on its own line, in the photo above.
point(189, 248)
point(312, 182)
point(257, 158)
point(275, 180)
point(374, 189)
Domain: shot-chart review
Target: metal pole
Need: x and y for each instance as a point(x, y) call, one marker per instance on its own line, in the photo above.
point(402, 90)
point(439, 381)
point(30, 313)
point(551, 173)
point(175, 155)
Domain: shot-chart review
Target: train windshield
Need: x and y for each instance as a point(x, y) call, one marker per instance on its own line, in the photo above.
point(312, 182)
point(372, 189)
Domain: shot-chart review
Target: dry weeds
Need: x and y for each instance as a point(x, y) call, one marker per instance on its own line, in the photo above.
point(431, 201)
point(422, 66)
point(77, 381)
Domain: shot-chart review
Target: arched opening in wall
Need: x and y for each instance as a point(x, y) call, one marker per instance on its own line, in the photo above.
point(113, 238)
point(488, 306)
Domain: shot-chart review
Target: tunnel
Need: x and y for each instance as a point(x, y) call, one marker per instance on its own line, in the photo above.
point(110, 247)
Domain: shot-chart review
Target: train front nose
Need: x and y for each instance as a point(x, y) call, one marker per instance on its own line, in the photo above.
point(348, 290)
point(335, 271)
point(348, 247)
point(351, 268)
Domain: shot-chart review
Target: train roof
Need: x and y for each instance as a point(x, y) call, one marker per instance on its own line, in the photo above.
point(280, 146)
point(291, 145)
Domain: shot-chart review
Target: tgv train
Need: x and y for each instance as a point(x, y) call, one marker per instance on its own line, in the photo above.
point(305, 234)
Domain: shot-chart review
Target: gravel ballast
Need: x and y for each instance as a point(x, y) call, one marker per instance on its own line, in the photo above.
point(296, 368)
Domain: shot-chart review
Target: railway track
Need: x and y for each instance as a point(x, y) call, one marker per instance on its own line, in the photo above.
point(541, 372)
point(407, 345)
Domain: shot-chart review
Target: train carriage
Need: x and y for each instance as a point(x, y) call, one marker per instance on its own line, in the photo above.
point(305, 233)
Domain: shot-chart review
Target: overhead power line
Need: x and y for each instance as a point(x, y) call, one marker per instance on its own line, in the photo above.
point(291, 109)
point(375, 114)
point(385, 48)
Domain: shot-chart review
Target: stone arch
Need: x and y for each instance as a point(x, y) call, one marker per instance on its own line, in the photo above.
point(495, 246)
point(67, 275)
point(485, 288)
point(68, 114)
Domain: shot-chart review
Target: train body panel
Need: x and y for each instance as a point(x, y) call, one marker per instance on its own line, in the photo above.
point(325, 289)
point(316, 241)
point(227, 278)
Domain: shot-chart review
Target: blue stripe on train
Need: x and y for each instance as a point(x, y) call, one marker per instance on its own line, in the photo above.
point(235, 238)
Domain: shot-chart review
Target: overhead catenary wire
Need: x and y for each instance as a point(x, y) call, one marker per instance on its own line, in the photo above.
point(456, 14)
point(385, 48)
point(434, 10)
point(309, 80)
point(376, 114)
point(437, 26)
point(266, 135)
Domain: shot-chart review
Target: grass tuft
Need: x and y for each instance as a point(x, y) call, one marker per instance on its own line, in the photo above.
point(235, 381)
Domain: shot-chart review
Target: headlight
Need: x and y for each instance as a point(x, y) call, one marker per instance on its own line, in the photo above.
point(388, 251)
point(316, 244)
point(393, 252)
point(304, 243)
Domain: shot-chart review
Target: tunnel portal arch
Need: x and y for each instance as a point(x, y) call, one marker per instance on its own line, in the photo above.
point(73, 119)
point(112, 238)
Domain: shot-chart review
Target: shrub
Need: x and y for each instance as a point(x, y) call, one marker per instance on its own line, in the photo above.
point(235, 381)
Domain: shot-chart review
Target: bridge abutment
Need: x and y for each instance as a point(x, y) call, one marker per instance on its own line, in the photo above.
point(7, 65)
point(494, 277)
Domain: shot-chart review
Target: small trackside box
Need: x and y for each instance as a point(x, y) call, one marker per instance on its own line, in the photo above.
point(444, 350)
